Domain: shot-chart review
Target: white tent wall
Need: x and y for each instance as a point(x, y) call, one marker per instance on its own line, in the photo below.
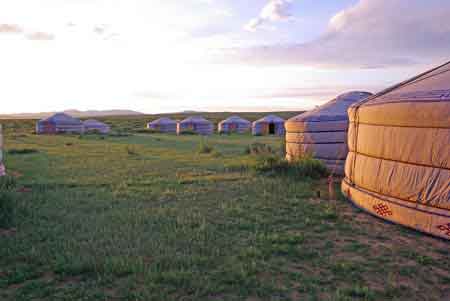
point(234, 124)
point(163, 125)
point(398, 166)
point(59, 123)
point(263, 126)
point(92, 125)
point(322, 132)
point(199, 125)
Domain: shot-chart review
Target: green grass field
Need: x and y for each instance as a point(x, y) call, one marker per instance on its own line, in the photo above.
point(148, 217)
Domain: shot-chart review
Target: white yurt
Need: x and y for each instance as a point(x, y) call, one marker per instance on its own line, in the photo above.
point(92, 125)
point(234, 124)
point(163, 125)
point(2, 166)
point(59, 123)
point(196, 124)
point(322, 132)
point(398, 165)
point(269, 125)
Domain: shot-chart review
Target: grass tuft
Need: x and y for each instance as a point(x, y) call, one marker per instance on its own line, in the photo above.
point(205, 148)
point(22, 151)
point(7, 204)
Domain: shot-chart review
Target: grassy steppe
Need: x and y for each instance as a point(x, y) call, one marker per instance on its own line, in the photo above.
point(147, 217)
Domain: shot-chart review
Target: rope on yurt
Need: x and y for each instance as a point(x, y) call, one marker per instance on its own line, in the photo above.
point(412, 80)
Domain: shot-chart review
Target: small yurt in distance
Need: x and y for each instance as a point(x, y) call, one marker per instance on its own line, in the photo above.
point(163, 125)
point(398, 165)
point(92, 125)
point(2, 166)
point(234, 124)
point(269, 125)
point(59, 123)
point(322, 132)
point(196, 124)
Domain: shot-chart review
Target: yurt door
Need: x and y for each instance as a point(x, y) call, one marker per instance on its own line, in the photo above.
point(271, 128)
point(233, 127)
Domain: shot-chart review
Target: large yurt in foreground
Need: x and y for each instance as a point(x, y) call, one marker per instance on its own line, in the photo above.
point(234, 124)
point(95, 126)
point(163, 125)
point(59, 123)
point(2, 167)
point(269, 125)
point(398, 166)
point(322, 132)
point(196, 124)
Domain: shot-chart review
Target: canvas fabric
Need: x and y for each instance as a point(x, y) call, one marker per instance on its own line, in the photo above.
point(399, 153)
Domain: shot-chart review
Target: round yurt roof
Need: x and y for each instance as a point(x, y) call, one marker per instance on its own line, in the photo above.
point(334, 110)
point(163, 120)
point(235, 119)
point(195, 119)
point(62, 118)
point(270, 118)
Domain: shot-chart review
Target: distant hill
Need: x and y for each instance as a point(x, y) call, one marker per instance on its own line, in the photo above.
point(74, 113)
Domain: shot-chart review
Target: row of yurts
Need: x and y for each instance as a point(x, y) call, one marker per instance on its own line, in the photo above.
point(393, 148)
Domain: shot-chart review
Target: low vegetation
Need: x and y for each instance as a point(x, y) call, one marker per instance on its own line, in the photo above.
point(7, 204)
point(141, 217)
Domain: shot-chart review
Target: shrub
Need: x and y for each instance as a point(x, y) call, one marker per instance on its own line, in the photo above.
point(303, 168)
point(188, 132)
point(22, 151)
point(131, 151)
point(146, 131)
point(259, 149)
point(205, 148)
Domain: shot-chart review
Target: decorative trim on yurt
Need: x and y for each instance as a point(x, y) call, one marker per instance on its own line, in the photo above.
point(163, 125)
point(59, 123)
point(234, 124)
point(269, 125)
point(196, 124)
point(2, 166)
point(398, 166)
point(92, 125)
point(322, 132)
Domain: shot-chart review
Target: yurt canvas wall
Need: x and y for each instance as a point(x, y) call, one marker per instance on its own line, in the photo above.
point(398, 167)
point(92, 125)
point(234, 124)
point(2, 166)
point(269, 125)
point(322, 132)
point(197, 125)
point(163, 125)
point(59, 123)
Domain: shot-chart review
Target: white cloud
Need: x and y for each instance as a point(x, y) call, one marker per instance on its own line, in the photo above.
point(274, 11)
point(370, 34)
point(40, 36)
point(10, 28)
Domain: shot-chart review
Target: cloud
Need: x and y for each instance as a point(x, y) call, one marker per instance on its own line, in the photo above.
point(40, 36)
point(370, 34)
point(10, 28)
point(274, 11)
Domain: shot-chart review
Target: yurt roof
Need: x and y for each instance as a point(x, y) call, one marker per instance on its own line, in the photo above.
point(93, 122)
point(334, 110)
point(163, 120)
point(62, 118)
point(195, 119)
point(235, 118)
point(270, 118)
point(431, 86)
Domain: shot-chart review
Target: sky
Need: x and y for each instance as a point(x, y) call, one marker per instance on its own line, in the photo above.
point(158, 56)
